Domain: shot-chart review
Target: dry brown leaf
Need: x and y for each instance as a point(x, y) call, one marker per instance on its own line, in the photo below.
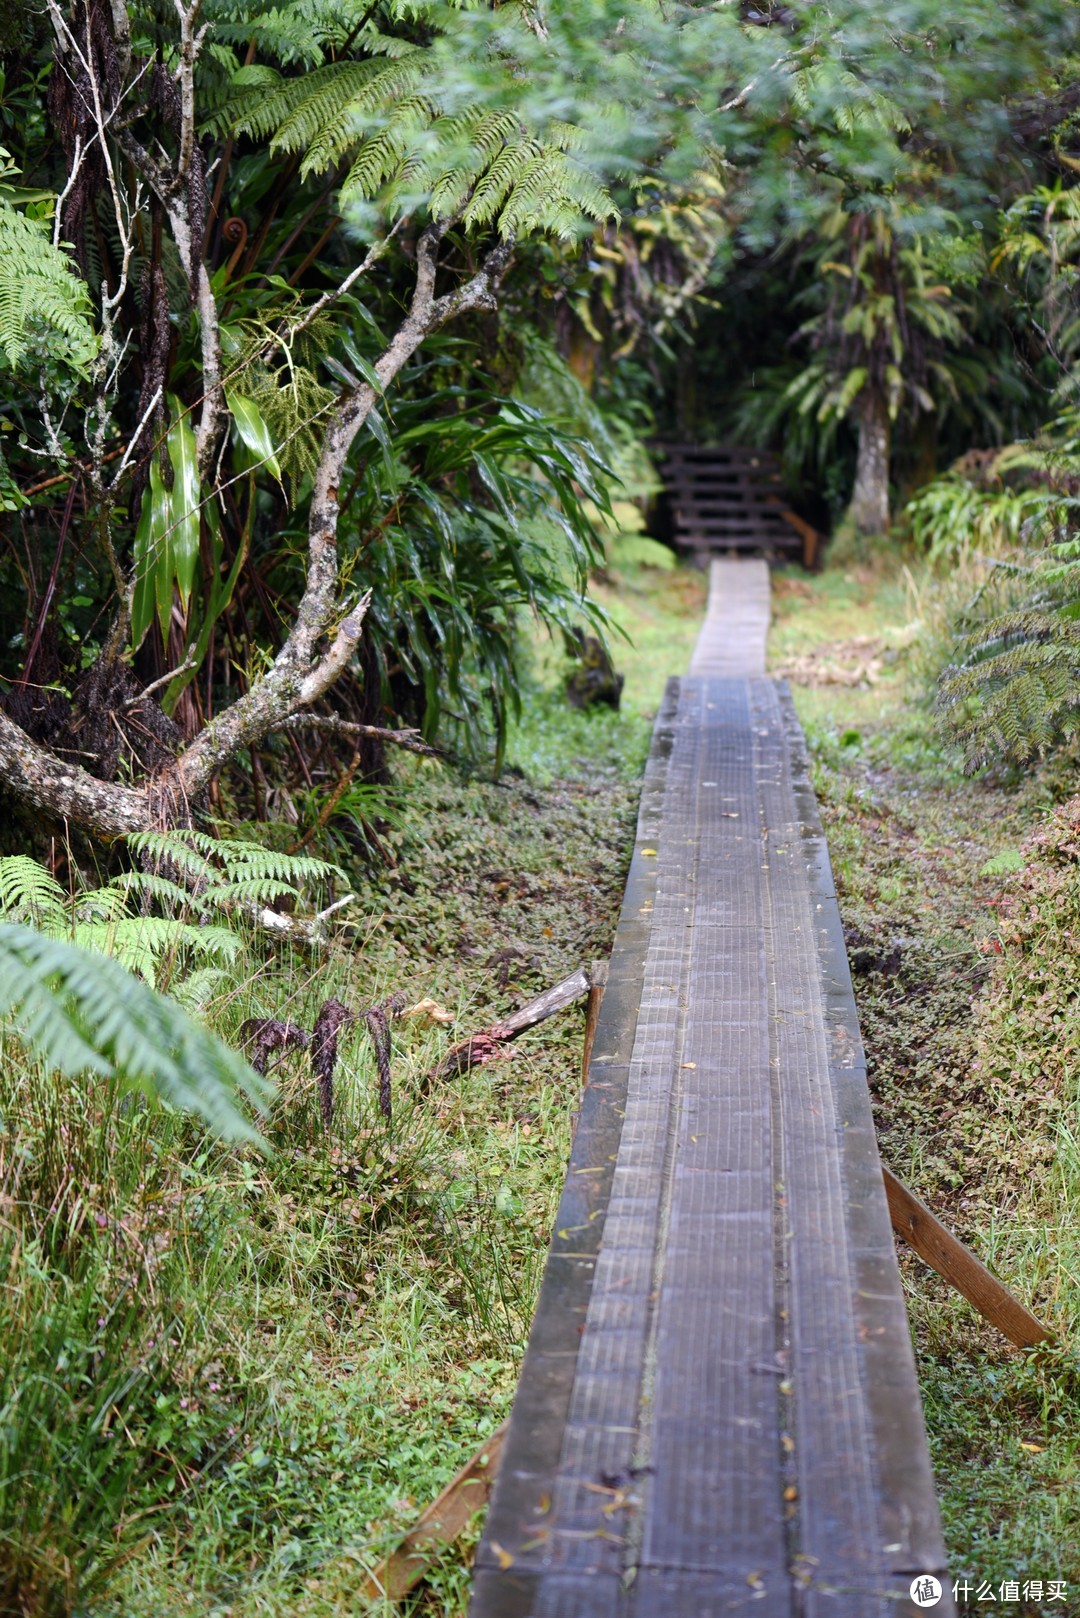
point(429, 1014)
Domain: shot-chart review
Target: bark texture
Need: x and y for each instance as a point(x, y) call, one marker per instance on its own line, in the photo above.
point(869, 509)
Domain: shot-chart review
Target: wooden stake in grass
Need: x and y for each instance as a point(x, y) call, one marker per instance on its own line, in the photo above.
point(438, 1526)
point(597, 985)
point(951, 1259)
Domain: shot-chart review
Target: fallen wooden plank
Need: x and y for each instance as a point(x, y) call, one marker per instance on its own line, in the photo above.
point(545, 1005)
point(928, 1237)
point(436, 1527)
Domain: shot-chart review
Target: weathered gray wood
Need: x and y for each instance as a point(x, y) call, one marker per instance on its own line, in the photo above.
point(480, 1047)
point(718, 1409)
point(448, 1515)
point(938, 1247)
point(726, 497)
point(733, 636)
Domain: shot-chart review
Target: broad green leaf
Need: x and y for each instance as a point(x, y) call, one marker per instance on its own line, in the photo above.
point(852, 385)
point(359, 363)
point(253, 431)
point(151, 554)
point(184, 511)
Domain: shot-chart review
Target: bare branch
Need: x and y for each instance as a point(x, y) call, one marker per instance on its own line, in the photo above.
point(337, 659)
point(334, 726)
point(163, 679)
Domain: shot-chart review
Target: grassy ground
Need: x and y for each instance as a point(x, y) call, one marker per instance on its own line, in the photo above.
point(299, 1350)
point(962, 938)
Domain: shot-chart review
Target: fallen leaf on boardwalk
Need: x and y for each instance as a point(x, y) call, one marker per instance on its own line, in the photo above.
point(504, 1558)
point(428, 1013)
point(649, 853)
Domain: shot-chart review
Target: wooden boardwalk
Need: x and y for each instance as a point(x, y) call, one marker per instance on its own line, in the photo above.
point(718, 1412)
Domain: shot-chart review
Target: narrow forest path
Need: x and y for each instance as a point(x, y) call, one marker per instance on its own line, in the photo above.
point(718, 1411)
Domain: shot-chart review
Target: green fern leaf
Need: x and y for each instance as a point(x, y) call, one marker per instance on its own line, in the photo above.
point(82, 1013)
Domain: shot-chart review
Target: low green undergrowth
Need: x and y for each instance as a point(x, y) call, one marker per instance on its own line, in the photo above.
point(230, 1379)
point(961, 903)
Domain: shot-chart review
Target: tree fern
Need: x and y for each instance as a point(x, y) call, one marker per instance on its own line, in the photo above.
point(222, 873)
point(394, 118)
point(209, 878)
point(82, 1013)
point(101, 920)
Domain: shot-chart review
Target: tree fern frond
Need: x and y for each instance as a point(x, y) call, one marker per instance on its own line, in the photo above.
point(187, 852)
point(501, 175)
point(151, 885)
point(1016, 693)
point(100, 905)
point(42, 300)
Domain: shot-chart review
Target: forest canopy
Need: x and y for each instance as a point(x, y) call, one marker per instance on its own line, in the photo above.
point(322, 327)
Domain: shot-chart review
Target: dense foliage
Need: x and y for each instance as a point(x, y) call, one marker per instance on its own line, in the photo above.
point(331, 338)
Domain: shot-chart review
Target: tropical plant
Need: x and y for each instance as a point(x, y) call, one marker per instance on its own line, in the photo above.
point(270, 213)
point(475, 514)
point(972, 507)
point(199, 882)
point(1014, 692)
point(44, 305)
point(1039, 245)
point(79, 1012)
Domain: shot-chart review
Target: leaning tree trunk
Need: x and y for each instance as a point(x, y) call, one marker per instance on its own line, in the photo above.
point(869, 509)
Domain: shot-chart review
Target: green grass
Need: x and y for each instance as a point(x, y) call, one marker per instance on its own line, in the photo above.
point(965, 982)
point(231, 1381)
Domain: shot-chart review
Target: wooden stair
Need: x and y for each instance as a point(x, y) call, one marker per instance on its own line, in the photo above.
point(727, 498)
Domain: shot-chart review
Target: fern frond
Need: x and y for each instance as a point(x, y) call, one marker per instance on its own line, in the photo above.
point(150, 885)
point(100, 905)
point(1017, 692)
point(187, 852)
point(82, 1013)
point(386, 113)
point(139, 942)
point(29, 892)
point(43, 301)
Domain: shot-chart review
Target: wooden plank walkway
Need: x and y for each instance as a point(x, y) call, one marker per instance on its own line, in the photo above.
point(718, 1411)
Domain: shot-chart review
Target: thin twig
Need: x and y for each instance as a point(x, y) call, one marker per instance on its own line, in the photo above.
point(163, 679)
point(332, 725)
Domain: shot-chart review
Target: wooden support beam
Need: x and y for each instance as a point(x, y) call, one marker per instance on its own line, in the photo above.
point(436, 1527)
point(912, 1220)
point(597, 985)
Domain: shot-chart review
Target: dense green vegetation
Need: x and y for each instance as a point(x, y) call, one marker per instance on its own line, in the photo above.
point(333, 339)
